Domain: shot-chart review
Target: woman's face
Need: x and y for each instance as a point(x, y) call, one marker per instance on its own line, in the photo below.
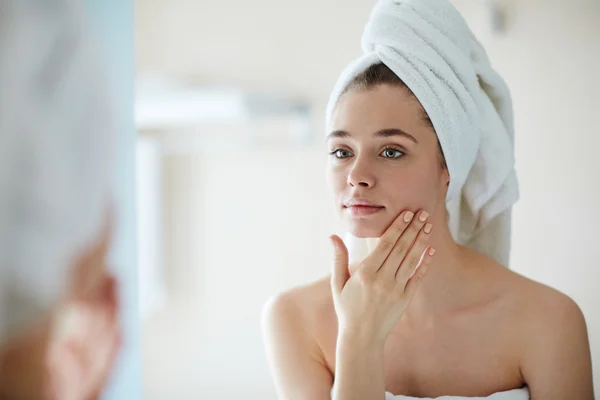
point(384, 159)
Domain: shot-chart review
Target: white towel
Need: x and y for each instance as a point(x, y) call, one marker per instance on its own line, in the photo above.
point(428, 45)
point(515, 394)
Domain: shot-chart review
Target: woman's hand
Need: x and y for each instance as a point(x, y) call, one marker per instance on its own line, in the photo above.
point(66, 356)
point(374, 298)
point(84, 345)
point(87, 334)
point(70, 353)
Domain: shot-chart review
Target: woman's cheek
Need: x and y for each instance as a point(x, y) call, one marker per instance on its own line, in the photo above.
point(413, 195)
point(338, 179)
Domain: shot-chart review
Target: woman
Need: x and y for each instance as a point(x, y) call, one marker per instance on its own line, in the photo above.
point(422, 170)
point(59, 320)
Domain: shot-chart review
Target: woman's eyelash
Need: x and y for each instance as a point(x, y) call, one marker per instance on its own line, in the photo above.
point(335, 152)
point(395, 150)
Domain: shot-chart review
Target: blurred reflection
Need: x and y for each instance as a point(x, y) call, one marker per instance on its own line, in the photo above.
point(59, 306)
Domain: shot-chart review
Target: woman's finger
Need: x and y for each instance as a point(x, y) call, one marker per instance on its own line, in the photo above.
point(97, 348)
point(407, 267)
point(386, 243)
point(415, 281)
point(402, 248)
point(340, 273)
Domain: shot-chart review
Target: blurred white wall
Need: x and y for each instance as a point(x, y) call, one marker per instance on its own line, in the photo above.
point(242, 223)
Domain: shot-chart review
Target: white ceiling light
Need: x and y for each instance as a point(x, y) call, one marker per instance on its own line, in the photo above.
point(165, 105)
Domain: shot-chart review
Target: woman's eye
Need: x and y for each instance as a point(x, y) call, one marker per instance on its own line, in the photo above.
point(392, 153)
point(341, 153)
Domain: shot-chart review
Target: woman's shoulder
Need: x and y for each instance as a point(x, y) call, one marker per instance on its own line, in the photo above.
point(534, 299)
point(550, 333)
point(544, 310)
point(536, 308)
point(309, 304)
point(305, 317)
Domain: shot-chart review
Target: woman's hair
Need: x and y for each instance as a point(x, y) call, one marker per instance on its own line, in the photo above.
point(380, 74)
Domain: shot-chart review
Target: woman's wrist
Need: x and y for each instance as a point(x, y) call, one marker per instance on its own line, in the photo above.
point(361, 337)
point(359, 345)
point(359, 366)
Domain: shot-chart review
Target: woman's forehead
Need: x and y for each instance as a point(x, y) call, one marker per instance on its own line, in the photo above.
point(360, 112)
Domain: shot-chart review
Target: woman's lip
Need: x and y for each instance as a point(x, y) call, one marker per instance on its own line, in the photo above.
point(359, 211)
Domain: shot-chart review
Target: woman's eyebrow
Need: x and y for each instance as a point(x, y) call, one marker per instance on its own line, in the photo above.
point(390, 132)
point(395, 132)
point(338, 134)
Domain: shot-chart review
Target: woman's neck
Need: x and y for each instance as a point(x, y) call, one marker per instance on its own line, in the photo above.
point(442, 289)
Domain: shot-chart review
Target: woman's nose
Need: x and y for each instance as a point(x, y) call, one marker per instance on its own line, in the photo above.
point(361, 174)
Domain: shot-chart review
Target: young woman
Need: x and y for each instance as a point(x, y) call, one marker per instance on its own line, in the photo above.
point(431, 310)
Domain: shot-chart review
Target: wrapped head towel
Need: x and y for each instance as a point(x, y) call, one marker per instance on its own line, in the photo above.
point(430, 47)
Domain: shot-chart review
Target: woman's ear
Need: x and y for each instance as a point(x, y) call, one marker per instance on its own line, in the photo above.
point(446, 177)
point(445, 182)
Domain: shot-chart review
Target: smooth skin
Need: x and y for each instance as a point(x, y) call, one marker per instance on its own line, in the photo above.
point(461, 325)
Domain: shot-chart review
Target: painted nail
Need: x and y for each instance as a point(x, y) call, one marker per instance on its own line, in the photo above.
point(408, 216)
point(431, 251)
point(427, 228)
point(423, 216)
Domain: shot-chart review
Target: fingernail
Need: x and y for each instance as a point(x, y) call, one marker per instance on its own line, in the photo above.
point(431, 251)
point(427, 228)
point(423, 216)
point(408, 216)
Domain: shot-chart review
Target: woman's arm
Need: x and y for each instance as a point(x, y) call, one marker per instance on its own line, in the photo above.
point(359, 367)
point(369, 303)
point(298, 368)
point(557, 363)
point(296, 363)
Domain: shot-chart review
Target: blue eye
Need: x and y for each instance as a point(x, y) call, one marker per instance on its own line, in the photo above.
point(340, 153)
point(392, 153)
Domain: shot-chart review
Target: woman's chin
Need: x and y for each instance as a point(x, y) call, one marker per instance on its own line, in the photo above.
point(367, 226)
point(364, 229)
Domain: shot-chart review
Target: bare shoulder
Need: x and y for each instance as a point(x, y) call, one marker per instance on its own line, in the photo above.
point(546, 315)
point(547, 307)
point(556, 357)
point(306, 304)
point(550, 335)
point(292, 331)
point(524, 298)
point(538, 306)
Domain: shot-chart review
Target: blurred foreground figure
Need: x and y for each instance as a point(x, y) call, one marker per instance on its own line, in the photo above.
point(59, 322)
